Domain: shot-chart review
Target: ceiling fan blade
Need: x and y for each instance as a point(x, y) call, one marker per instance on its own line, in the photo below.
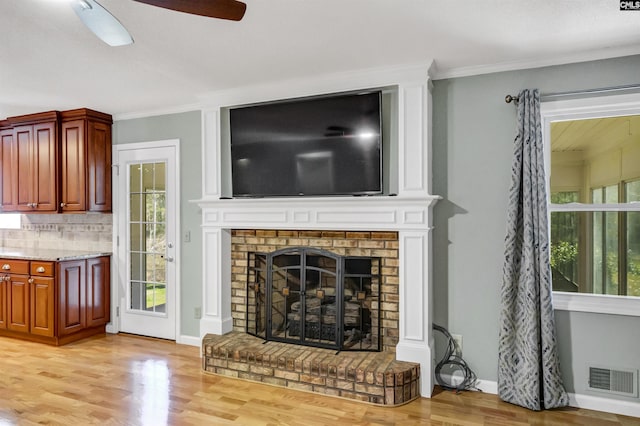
point(232, 10)
point(102, 23)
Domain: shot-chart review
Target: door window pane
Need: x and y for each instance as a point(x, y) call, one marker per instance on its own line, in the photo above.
point(147, 240)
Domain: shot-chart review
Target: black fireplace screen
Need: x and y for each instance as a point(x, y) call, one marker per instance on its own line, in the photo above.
point(314, 297)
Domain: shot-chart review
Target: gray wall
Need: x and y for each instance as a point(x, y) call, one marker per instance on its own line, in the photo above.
point(187, 128)
point(473, 132)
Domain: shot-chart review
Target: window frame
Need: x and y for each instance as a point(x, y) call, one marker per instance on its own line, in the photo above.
point(577, 109)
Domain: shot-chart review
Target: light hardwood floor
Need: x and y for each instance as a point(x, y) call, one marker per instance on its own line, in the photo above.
point(129, 380)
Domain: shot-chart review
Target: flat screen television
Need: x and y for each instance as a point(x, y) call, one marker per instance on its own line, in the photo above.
point(319, 146)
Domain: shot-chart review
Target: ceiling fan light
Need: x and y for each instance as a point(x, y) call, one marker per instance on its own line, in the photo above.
point(84, 4)
point(102, 23)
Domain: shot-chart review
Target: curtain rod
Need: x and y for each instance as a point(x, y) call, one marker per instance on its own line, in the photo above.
point(548, 96)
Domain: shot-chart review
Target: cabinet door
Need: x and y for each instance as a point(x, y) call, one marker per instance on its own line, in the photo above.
point(23, 135)
point(9, 185)
point(72, 296)
point(73, 166)
point(3, 303)
point(98, 291)
point(42, 306)
point(18, 303)
point(99, 167)
point(45, 164)
point(36, 167)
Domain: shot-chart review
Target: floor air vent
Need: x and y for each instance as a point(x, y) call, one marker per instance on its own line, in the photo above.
point(620, 382)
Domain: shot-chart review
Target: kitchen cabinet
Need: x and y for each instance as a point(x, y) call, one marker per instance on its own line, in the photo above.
point(72, 296)
point(36, 163)
point(98, 291)
point(16, 275)
point(85, 161)
point(54, 302)
point(42, 298)
point(30, 301)
point(3, 303)
point(56, 162)
point(7, 161)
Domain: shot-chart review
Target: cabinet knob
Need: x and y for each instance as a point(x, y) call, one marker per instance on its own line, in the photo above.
point(63, 204)
point(6, 267)
point(30, 280)
point(40, 269)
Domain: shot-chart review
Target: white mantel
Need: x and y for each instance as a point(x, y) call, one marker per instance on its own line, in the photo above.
point(409, 212)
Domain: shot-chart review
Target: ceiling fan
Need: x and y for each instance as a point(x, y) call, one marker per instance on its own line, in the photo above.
point(107, 27)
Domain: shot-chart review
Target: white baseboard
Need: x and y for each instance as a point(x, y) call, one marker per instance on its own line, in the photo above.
point(488, 386)
point(598, 403)
point(588, 402)
point(189, 340)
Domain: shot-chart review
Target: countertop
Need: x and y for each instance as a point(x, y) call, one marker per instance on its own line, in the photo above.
point(48, 254)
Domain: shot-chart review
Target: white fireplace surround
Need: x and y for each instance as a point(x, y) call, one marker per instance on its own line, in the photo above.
point(409, 211)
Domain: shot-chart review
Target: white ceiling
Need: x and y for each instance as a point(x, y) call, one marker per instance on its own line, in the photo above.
point(51, 61)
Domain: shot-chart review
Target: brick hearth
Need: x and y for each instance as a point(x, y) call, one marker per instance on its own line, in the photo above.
point(374, 377)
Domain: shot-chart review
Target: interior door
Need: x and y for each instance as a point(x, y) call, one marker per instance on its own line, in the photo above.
point(147, 230)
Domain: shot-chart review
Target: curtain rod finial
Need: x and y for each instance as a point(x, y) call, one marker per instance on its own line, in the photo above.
point(508, 99)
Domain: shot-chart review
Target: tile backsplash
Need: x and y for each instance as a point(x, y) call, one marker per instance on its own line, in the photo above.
point(90, 231)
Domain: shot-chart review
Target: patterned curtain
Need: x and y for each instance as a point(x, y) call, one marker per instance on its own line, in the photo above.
point(528, 366)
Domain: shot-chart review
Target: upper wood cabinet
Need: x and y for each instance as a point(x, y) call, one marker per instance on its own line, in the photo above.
point(30, 163)
point(36, 147)
point(7, 161)
point(85, 161)
point(56, 162)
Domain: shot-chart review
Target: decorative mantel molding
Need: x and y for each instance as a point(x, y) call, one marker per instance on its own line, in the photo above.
point(327, 213)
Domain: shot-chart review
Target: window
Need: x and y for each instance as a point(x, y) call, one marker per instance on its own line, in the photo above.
point(10, 221)
point(593, 170)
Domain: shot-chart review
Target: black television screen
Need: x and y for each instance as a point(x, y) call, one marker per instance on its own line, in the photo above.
point(329, 145)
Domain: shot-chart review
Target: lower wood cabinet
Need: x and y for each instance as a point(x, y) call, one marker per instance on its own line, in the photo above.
point(98, 291)
point(54, 302)
point(42, 306)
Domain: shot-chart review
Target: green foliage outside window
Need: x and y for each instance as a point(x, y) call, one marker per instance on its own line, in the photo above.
point(563, 254)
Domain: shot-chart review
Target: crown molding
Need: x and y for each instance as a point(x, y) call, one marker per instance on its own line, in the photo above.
point(177, 109)
point(310, 85)
point(441, 73)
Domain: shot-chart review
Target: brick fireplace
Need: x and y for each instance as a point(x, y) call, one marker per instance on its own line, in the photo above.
point(382, 246)
point(395, 226)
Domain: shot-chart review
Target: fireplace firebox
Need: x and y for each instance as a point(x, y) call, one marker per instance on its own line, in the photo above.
point(314, 297)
